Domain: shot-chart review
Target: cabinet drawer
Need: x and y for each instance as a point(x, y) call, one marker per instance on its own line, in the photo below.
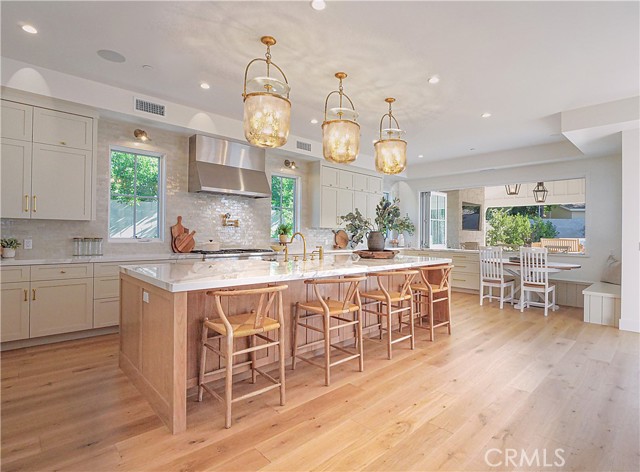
point(59, 272)
point(106, 312)
point(16, 121)
point(467, 281)
point(15, 274)
point(106, 287)
point(465, 266)
point(62, 129)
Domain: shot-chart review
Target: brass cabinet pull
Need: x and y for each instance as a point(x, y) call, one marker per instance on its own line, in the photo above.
point(25, 295)
point(26, 203)
point(63, 271)
point(64, 143)
point(35, 202)
point(33, 294)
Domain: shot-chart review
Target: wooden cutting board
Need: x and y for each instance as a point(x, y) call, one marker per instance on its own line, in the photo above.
point(377, 254)
point(185, 242)
point(341, 239)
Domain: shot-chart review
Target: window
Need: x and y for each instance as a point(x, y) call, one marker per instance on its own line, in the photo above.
point(434, 219)
point(283, 203)
point(135, 206)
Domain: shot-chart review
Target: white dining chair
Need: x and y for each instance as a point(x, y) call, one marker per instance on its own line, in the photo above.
point(534, 277)
point(492, 276)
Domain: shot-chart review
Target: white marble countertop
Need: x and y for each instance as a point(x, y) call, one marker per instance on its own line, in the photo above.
point(90, 259)
point(187, 276)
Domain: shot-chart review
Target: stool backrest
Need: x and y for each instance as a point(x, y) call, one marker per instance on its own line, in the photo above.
point(533, 266)
point(491, 265)
point(405, 289)
point(352, 294)
point(267, 297)
point(436, 277)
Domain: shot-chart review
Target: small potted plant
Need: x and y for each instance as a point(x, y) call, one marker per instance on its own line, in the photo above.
point(284, 231)
point(9, 246)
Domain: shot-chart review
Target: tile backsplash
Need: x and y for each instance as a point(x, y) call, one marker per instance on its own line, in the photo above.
point(200, 211)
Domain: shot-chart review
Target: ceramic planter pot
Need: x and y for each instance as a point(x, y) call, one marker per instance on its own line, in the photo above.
point(7, 252)
point(375, 241)
point(283, 238)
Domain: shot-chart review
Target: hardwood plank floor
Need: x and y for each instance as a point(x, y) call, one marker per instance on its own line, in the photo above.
point(502, 381)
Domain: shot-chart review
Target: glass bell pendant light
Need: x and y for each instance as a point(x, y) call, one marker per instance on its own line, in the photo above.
point(340, 133)
point(512, 189)
point(267, 109)
point(540, 193)
point(391, 151)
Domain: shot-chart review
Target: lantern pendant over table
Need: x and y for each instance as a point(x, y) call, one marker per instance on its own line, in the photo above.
point(391, 152)
point(540, 193)
point(512, 189)
point(341, 134)
point(267, 109)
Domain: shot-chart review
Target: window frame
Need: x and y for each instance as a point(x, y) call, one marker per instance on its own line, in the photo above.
point(425, 219)
point(161, 194)
point(296, 199)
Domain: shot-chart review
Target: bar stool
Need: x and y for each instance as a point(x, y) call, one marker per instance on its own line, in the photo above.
point(434, 288)
point(232, 327)
point(392, 302)
point(330, 310)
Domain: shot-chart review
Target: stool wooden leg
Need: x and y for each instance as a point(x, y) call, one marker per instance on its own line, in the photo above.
point(411, 327)
point(380, 318)
point(389, 353)
point(281, 349)
point(449, 311)
point(327, 350)
point(294, 343)
point(254, 374)
point(431, 329)
point(203, 360)
point(360, 345)
point(228, 383)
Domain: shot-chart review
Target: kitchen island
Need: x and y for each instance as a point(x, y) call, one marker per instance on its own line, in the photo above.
point(162, 307)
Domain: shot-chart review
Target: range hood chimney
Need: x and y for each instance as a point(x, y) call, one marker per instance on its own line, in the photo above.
point(226, 167)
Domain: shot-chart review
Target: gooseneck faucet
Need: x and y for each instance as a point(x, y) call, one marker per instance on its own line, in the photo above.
point(304, 247)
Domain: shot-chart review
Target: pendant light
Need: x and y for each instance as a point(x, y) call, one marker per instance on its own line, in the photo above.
point(267, 109)
point(341, 134)
point(512, 189)
point(540, 193)
point(391, 152)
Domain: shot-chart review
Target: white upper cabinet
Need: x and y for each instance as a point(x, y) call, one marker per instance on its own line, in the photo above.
point(17, 121)
point(329, 176)
point(15, 169)
point(374, 184)
point(360, 183)
point(62, 129)
point(345, 179)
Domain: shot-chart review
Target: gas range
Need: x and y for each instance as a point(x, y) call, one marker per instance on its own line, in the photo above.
point(233, 253)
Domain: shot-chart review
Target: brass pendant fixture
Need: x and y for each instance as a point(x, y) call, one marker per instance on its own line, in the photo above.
point(267, 109)
point(391, 152)
point(341, 134)
point(540, 193)
point(512, 189)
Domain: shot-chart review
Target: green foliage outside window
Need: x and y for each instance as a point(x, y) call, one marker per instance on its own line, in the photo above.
point(542, 229)
point(283, 203)
point(516, 229)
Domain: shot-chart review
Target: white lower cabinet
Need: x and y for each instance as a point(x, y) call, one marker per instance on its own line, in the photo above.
point(106, 312)
point(15, 311)
point(61, 306)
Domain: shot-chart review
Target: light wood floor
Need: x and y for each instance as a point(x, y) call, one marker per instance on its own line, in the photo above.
point(502, 380)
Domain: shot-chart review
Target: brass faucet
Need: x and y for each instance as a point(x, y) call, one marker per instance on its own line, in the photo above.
point(227, 221)
point(304, 247)
point(320, 253)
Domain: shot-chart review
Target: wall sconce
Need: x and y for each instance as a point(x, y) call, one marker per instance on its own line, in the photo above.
point(290, 164)
point(141, 135)
point(512, 189)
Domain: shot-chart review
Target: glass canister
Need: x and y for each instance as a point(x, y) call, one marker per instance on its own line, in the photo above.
point(78, 247)
point(97, 246)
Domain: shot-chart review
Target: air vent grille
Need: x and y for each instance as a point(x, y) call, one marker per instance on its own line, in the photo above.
point(304, 146)
point(149, 107)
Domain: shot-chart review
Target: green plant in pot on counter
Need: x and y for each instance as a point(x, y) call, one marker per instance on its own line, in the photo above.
point(387, 219)
point(9, 246)
point(284, 231)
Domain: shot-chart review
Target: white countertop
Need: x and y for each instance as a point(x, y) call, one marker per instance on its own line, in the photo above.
point(90, 259)
point(187, 276)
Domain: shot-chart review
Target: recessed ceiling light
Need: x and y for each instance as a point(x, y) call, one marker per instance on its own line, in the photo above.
point(318, 5)
point(420, 156)
point(29, 29)
point(314, 121)
point(486, 115)
point(147, 67)
point(472, 149)
point(434, 79)
point(205, 86)
point(111, 56)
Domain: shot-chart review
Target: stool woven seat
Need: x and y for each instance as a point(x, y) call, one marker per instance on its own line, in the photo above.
point(243, 325)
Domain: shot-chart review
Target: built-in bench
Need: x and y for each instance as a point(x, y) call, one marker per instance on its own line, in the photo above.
point(602, 304)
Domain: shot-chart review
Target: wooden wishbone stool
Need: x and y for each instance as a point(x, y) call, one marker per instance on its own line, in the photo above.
point(252, 325)
point(390, 302)
point(330, 310)
point(435, 287)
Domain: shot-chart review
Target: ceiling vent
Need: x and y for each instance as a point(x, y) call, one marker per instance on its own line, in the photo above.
point(146, 106)
point(303, 146)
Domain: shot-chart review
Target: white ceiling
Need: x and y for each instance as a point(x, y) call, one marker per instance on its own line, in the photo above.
point(524, 62)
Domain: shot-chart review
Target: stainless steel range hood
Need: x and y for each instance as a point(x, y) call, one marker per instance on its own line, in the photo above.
point(227, 167)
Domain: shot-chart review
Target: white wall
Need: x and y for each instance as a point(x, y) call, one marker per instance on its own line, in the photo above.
point(630, 319)
point(603, 202)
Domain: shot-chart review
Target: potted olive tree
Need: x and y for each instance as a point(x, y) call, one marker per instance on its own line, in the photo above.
point(9, 246)
point(387, 219)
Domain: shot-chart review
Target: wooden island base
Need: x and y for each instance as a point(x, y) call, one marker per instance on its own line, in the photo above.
point(160, 331)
